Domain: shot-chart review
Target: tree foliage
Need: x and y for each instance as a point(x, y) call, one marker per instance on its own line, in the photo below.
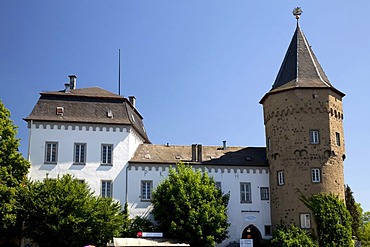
point(189, 207)
point(63, 212)
point(13, 171)
point(332, 218)
point(292, 237)
point(354, 210)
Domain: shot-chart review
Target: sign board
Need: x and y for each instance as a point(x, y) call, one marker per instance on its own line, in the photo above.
point(246, 242)
point(250, 218)
point(152, 234)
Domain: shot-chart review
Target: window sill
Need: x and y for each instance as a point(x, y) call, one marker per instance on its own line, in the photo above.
point(50, 163)
point(79, 164)
point(106, 164)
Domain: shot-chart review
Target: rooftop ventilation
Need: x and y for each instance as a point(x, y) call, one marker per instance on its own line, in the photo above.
point(72, 82)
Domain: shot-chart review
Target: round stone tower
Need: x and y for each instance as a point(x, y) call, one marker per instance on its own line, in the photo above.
point(303, 118)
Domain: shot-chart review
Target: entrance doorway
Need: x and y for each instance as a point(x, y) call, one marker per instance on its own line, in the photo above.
point(252, 232)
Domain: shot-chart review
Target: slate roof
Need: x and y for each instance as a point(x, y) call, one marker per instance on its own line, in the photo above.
point(211, 155)
point(300, 68)
point(87, 105)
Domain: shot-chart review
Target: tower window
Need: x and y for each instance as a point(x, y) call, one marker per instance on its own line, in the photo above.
point(268, 141)
point(281, 179)
point(305, 220)
point(314, 137)
point(337, 138)
point(315, 175)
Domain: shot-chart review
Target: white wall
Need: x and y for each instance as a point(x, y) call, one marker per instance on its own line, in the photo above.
point(123, 139)
point(230, 182)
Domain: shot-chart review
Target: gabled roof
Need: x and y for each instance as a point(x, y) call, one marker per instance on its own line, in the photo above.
point(87, 105)
point(300, 68)
point(211, 155)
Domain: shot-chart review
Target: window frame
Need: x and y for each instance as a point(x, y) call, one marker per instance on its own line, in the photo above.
point(51, 154)
point(314, 136)
point(245, 192)
point(315, 175)
point(75, 161)
point(145, 195)
point(264, 193)
point(280, 178)
point(108, 154)
point(104, 190)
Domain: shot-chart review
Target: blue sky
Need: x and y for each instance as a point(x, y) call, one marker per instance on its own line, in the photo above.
point(198, 68)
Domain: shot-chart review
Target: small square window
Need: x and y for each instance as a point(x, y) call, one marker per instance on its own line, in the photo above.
point(281, 178)
point(51, 152)
point(314, 137)
point(305, 220)
point(264, 191)
point(146, 190)
point(315, 175)
point(245, 193)
point(106, 188)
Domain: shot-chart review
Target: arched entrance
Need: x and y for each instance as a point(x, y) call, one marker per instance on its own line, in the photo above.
point(252, 232)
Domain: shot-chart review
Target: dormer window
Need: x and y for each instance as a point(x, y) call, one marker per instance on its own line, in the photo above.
point(60, 111)
point(109, 114)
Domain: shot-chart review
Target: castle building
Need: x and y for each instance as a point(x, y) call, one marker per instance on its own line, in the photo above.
point(99, 137)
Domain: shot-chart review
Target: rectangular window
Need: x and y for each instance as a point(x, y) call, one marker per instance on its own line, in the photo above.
point(51, 152)
point(337, 138)
point(305, 220)
point(268, 231)
point(264, 191)
point(106, 154)
point(315, 175)
point(106, 188)
point(146, 190)
point(218, 186)
point(245, 193)
point(281, 179)
point(314, 137)
point(79, 153)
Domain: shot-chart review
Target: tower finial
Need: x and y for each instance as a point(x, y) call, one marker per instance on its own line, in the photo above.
point(297, 12)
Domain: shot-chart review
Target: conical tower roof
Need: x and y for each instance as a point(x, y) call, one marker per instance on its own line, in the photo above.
point(300, 68)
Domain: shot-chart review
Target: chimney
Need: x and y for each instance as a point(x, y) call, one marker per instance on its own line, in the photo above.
point(224, 145)
point(194, 152)
point(132, 100)
point(200, 153)
point(72, 82)
point(67, 88)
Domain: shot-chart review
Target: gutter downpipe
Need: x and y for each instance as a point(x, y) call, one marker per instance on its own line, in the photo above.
point(126, 189)
point(29, 142)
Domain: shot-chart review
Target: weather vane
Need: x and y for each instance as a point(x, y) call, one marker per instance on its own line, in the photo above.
point(297, 12)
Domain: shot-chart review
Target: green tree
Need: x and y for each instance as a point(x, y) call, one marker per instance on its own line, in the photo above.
point(364, 229)
point(353, 209)
point(63, 212)
point(13, 171)
point(332, 218)
point(189, 207)
point(292, 237)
